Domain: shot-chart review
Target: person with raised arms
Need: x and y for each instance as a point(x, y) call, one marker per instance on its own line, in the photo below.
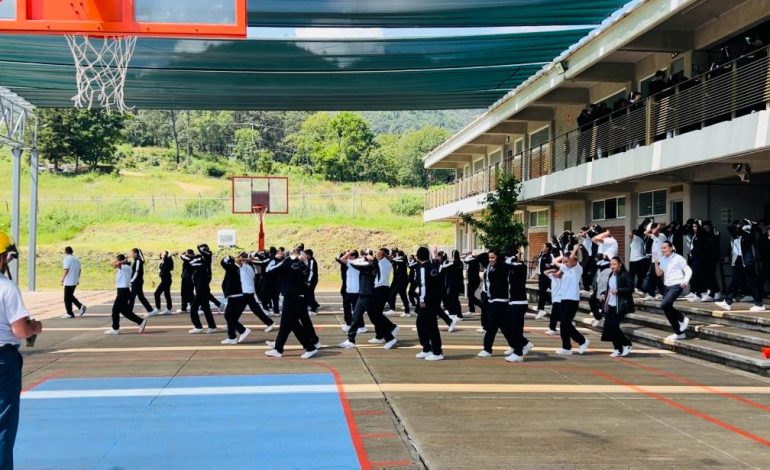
point(122, 304)
point(571, 273)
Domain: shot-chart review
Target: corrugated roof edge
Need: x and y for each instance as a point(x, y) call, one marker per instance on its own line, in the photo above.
point(17, 100)
point(619, 14)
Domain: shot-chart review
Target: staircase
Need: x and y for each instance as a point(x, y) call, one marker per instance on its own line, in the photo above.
point(733, 338)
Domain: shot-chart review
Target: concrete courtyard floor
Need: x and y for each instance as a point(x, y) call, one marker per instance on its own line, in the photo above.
point(654, 409)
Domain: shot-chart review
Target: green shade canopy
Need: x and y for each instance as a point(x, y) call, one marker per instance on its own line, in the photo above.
point(431, 69)
point(428, 13)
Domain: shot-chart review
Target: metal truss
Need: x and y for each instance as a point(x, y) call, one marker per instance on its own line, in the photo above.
point(18, 121)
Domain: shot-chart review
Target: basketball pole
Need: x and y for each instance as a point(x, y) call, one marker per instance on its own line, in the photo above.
point(261, 240)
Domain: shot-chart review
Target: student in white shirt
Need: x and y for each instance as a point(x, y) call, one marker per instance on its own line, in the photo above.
point(654, 283)
point(556, 292)
point(70, 280)
point(571, 272)
point(122, 304)
point(676, 276)
point(15, 325)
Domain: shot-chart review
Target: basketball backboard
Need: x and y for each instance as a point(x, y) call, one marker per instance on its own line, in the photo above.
point(199, 19)
point(271, 192)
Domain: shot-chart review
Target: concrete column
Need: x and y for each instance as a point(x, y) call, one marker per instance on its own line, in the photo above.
point(16, 204)
point(32, 252)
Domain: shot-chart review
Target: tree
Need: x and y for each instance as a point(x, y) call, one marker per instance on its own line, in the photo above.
point(333, 145)
point(413, 146)
point(247, 148)
point(496, 226)
point(75, 134)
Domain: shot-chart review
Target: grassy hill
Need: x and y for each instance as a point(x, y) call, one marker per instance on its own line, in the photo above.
point(157, 209)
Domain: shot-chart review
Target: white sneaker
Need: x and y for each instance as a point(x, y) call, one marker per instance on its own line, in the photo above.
point(165, 311)
point(112, 332)
point(390, 344)
point(481, 330)
point(540, 314)
point(82, 310)
point(598, 323)
point(615, 353)
point(67, 315)
point(142, 326)
point(270, 328)
point(690, 296)
point(638, 292)
point(582, 348)
point(453, 325)
point(345, 328)
point(706, 298)
point(747, 298)
point(551, 332)
point(229, 341)
point(422, 355)
point(195, 331)
point(153, 312)
point(723, 305)
point(683, 324)
point(309, 354)
point(389, 313)
point(675, 337)
point(244, 335)
point(648, 298)
point(270, 344)
point(658, 296)
point(396, 331)
point(484, 353)
point(757, 308)
point(361, 330)
point(527, 348)
point(434, 357)
point(514, 358)
point(273, 353)
point(564, 352)
point(181, 310)
point(347, 344)
point(211, 330)
point(377, 341)
point(626, 351)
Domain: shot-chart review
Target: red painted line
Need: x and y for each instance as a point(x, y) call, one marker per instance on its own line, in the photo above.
point(382, 435)
point(368, 412)
point(42, 380)
point(687, 409)
point(686, 381)
point(391, 463)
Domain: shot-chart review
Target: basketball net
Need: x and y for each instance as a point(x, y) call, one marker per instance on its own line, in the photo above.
point(101, 64)
point(260, 212)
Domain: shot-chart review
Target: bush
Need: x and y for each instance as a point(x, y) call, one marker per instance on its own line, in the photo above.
point(215, 171)
point(408, 205)
point(204, 208)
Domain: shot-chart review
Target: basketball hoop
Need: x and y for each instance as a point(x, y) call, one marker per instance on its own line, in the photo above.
point(259, 210)
point(101, 70)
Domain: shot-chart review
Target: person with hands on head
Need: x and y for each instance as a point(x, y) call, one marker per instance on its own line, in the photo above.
point(15, 325)
point(123, 305)
point(676, 274)
point(571, 273)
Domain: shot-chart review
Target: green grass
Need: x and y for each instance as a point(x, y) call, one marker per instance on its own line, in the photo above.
point(156, 209)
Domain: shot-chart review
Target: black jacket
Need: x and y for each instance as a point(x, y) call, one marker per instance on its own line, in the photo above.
point(496, 281)
point(431, 284)
point(367, 273)
point(292, 275)
point(625, 287)
point(517, 280)
point(166, 267)
point(231, 284)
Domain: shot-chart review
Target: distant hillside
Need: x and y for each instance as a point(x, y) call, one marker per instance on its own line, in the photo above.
point(398, 122)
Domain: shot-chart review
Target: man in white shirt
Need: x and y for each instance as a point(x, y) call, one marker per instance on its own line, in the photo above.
point(15, 325)
point(676, 276)
point(70, 280)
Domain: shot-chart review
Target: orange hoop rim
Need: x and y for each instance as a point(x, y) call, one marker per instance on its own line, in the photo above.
point(259, 210)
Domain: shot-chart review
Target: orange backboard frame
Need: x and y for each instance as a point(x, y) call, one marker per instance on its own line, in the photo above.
point(277, 194)
point(112, 18)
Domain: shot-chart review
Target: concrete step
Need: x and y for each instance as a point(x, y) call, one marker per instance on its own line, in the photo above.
point(730, 355)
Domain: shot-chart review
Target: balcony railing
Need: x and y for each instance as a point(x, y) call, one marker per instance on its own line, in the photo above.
point(731, 90)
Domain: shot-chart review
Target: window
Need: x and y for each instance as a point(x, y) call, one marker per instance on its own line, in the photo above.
point(495, 157)
point(612, 208)
point(652, 203)
point(538, 218)
point(539, 138)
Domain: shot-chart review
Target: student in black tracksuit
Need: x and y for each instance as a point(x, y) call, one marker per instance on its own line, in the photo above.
point(711, 259)
point(431, 287)
point(236, 301)
point(454, 284)
point(517, 307)
point(400, 284)
point(496, 287)
point(742, 233)
point(312, 282)
point(544, 260)
point(165, 269)
point(188, 289)
point(208, 258)
point(272, 281)
point(474, 281)
point(413, 266)
point(368, 268)
point(292, 273)
point(618, 301)
point(248, 279)
point(137, 282)
point(201, 279)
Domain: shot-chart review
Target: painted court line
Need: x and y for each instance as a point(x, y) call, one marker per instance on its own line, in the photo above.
point(381, 388)
point(459, 347)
